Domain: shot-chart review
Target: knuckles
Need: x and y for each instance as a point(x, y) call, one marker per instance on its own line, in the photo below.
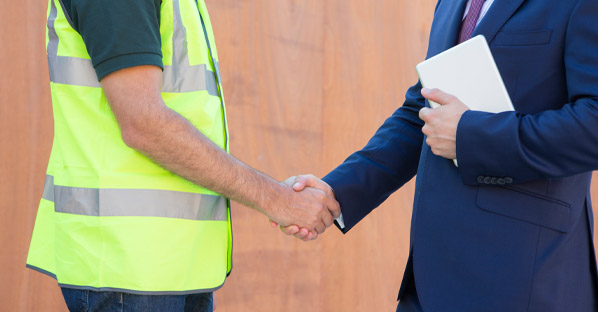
point(454, 99)
point(426, 129)
point(320, 196)
point(430, 141)
point(423, 113)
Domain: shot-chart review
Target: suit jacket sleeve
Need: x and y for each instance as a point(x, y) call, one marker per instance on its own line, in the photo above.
point(388, 161)
point(549, 144)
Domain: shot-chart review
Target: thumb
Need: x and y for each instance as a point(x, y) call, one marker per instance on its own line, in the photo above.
point(301, 182)
point(438, 96)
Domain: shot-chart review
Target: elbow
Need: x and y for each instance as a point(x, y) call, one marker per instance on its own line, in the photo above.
point(134, 137)
point(142, 132)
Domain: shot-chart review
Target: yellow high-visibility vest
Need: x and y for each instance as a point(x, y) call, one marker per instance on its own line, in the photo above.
point(109, 217)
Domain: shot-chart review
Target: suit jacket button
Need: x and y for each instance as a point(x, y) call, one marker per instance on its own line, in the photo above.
point(500, 181)
point(494, 180)
point(508, 180)
point(487, 180)
point(481, 179)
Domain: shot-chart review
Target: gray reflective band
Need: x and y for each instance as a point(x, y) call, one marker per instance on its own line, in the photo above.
point(180, 53)
point(178, 78)
point(48, 193)
point(72, 71)
point(67, 70)
point(217, 67)
point(188, 79)
point(135, 203)
point(140, 203)
point(79, 72)
point(52, 47)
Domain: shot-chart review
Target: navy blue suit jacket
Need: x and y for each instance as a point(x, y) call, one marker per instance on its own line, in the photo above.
point(509, 229)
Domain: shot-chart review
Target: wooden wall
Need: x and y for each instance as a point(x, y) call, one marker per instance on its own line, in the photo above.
point(307, 82)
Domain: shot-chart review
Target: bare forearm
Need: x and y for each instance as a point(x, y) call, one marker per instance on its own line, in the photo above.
point(170, 140)
point(174, 143)
point(150, 127)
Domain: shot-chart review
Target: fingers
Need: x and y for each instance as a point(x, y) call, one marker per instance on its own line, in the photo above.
point(302, 234)
point(312, 208)
point(310, 236)
point(330, 212)
point(309, 180)
point(300, 184)
point(290, 230)
point(327, 218)
point(424, 114)
point(328, 208)
point(437, 96)
point(320, 227)
point(305, 180)
point(333, 207)
point(273, 224)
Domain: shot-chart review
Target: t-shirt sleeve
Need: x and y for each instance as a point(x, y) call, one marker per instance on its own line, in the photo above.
point(118, 33)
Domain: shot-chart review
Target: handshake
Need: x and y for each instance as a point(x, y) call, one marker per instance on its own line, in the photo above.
point(308, 207)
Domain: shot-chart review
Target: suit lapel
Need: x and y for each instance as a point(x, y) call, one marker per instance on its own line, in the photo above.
point(497, 16)
point(446, 24)
point(453, 24)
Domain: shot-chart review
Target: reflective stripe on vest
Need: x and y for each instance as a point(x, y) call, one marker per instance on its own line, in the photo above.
point(134, 202)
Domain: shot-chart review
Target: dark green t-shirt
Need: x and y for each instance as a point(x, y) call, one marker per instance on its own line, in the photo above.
point(117, 33)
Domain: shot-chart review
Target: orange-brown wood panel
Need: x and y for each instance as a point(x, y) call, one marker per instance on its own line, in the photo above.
point(25, 142)
point(307, 82)
point(272, 84)
point(371, 49)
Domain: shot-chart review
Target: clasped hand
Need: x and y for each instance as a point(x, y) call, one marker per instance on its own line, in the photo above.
point(304, 185)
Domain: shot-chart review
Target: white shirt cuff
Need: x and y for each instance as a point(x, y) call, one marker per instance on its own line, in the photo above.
point(341, 221)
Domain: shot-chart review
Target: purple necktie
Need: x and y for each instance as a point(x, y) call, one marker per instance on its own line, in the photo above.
point(471, 20)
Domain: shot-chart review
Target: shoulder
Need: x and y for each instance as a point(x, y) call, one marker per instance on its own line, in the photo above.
point(118, 33)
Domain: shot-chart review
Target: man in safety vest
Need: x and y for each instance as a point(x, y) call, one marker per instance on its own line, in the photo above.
point(135, 213)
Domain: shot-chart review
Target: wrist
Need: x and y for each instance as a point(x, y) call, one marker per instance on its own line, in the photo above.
point(270, 198)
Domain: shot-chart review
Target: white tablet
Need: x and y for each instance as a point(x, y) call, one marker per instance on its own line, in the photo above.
point(467, 71)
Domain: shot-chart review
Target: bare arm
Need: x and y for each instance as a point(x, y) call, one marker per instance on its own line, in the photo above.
point(153, 129)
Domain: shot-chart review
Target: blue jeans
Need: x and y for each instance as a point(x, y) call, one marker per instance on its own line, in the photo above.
point(94, 301)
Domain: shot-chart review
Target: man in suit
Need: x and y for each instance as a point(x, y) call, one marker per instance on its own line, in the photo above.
point(510, 229)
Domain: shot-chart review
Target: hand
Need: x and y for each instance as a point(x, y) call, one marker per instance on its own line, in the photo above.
point(441, 123)
point(311, 210)
point(299, 184)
